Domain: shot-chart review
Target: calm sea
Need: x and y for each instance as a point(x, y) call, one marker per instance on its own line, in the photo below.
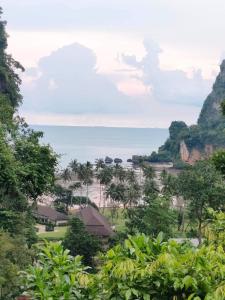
point(89, 143)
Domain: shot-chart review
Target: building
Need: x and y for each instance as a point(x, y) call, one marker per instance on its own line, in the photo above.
point(47, 214)
point(95, 222)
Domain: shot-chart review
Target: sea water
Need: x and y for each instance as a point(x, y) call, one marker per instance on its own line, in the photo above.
point(91, 143)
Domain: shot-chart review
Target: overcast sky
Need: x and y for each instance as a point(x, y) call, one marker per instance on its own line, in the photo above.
point(137, 63)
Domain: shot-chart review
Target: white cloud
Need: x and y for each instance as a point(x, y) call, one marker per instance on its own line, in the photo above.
point(67, 89)
point(68, 83)
point(169, 86)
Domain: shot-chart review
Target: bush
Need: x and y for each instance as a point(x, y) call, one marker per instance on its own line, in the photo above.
point(80, 242)
point(140, 268)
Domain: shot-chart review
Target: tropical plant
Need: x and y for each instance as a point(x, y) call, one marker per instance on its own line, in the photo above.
point(73, 165)
point(14, 256)
point(85, 175)
point(80, 242)
point(66, 175)
point(202, 187)
point(57, 275)
point(139, 268)
point(153, 216)
point(104, 176)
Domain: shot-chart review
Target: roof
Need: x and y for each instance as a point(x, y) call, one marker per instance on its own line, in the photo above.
point(50, 213)
point(94, 222)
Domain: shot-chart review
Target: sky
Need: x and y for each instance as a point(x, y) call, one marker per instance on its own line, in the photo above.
point(136, 63)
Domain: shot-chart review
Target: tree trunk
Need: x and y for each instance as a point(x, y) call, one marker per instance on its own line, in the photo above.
point(200, 232)
point(87, 194)
point(100, 193)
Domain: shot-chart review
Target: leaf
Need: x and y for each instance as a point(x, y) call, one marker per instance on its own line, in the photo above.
point(128, 294)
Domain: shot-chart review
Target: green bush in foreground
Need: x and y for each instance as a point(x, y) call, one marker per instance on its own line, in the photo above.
point(140, 268)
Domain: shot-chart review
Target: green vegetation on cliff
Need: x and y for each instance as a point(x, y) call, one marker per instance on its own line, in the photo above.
point(209, 131)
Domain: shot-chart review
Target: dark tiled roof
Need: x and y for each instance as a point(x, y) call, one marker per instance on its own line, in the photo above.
point(94, 222)
point(50, 213)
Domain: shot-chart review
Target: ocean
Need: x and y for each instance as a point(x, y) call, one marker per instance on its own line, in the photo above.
point(90, 143)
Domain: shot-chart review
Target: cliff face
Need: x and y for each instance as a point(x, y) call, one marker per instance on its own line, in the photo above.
point(210, 113)
point(194, 154)
point(190, 144)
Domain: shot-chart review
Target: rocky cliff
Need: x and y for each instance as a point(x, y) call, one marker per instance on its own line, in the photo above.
point(210, 113)
point(190, 144)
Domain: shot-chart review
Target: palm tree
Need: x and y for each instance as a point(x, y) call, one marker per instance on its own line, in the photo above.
point(63, 198)
point(117, 194)
point(131, 176)
point(85, 174)
point(74, 165)
point(148, 171)
point(66, 175)
point(133, 188)
point(73, 187)
point(119, 173)
point(133, 193)
point(99, 164)
point(105, 176)
point(151, 190)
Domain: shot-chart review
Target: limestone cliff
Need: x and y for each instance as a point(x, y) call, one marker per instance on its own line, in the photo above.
point(190, 144)
point(193, 155)
point(210, 113)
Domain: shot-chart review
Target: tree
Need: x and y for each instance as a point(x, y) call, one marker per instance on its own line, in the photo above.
point(202, 187)
point(27, 170)
point(9, 78)
point(66, 175)
point(177, 129)
point(148, 171)
point(74, 166)
point(99, 164)
point(132, 194)
point(151, 218)
point(119, 173)
point(104, 176)
point(14, 257)
point(37, 163)
point(116, 192)
point(64, 199)
point(80, 242)
point(85, 175)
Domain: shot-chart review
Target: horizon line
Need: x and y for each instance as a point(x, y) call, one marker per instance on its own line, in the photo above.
point(96, 126)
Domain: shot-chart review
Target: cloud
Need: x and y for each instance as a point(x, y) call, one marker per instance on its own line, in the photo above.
point(66, 88)
point(67, 82)
point(168, 86)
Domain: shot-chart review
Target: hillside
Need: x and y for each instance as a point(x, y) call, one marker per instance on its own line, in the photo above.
point(189, 144)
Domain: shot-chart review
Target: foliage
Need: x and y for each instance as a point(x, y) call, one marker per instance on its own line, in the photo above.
point(218, 160)
point(152, 217)
point(65, 198)
point(215, 230)
point(57, 275)
point(26, 166)
point(140, 268)
point(80, 242)
point(9, 78)
point(202, 187)
point(14, 256)
point(37, 163)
